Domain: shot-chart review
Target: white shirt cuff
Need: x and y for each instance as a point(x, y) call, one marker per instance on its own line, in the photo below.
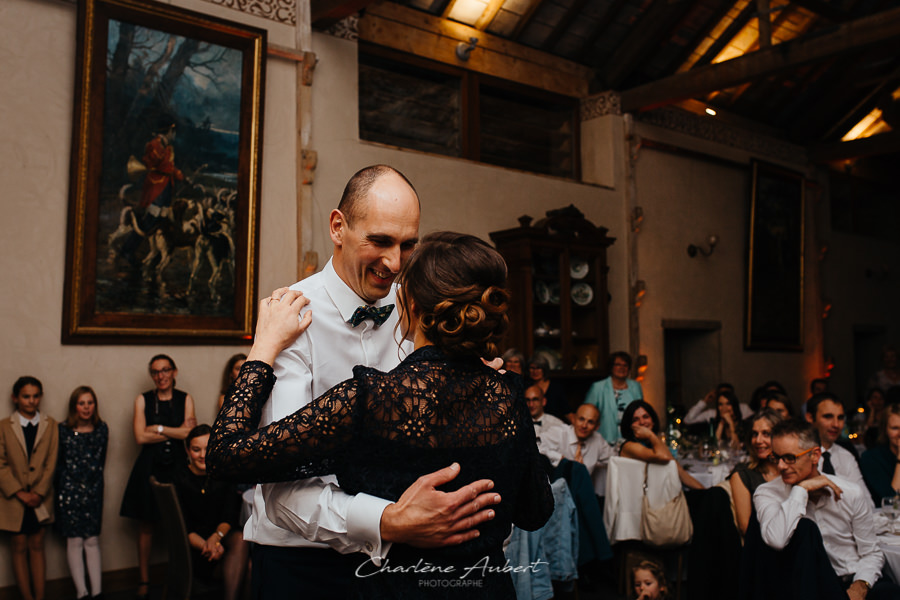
point(364, 525)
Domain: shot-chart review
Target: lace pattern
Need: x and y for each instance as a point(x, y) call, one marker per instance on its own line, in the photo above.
point(378, 432)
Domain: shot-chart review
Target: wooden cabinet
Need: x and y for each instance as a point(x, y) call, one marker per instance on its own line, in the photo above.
point(560, 300)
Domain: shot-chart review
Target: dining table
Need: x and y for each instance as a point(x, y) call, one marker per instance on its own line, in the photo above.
point(709, 471)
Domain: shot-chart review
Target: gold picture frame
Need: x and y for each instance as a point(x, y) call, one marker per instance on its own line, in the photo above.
point(163, 220)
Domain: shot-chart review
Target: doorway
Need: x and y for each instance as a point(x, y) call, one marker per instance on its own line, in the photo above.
point(693, 358)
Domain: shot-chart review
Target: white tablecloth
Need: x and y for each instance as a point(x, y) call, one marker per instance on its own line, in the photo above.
point(705, 472)
point(890, 545)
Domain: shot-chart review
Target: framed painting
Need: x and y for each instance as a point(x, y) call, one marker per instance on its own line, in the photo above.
point(775, 260)
point(165, 177)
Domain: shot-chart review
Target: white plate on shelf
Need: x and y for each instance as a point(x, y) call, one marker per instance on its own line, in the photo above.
point(541, 292)
point(554, 293)
point(582, 294)
point(579, 268)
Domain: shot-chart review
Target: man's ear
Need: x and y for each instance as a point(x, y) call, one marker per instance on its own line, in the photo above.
point(809, 418)
point(336, 225)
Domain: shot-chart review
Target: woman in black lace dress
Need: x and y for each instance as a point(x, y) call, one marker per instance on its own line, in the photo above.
point(380, 431)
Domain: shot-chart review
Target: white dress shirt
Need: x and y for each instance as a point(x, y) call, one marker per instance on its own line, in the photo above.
point(302, 513)
point(543, 433)
point(701, 413)
point(846, 467)
point(595, 453)
point(846, 525)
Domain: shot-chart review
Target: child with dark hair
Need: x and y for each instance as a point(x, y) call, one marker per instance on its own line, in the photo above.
point(28, 448)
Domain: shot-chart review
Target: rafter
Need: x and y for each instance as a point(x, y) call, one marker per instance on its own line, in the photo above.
point(849, 37)
point(644, 37)
point(883, 143)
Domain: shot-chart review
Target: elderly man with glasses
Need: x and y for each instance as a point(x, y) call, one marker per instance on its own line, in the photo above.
point(838, 507)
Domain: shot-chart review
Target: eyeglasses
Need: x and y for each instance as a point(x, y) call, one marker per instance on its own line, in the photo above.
point(163, 371)
point(788, 459)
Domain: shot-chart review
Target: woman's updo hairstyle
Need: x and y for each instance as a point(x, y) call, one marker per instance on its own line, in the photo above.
point(457, 283)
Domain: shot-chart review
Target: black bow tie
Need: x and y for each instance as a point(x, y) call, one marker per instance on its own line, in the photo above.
point(378, 315)
point(538, 423)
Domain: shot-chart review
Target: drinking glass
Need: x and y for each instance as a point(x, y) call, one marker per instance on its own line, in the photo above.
point(890, 504)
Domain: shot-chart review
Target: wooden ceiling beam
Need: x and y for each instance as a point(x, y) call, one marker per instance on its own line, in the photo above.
point(563, 25)
point(605, 21)
point(852, 36)
point(726, 37)
point(487, 17)
point(643, 39)
point(883, 143)
point(324, 13)
point(720, 13)
point(824, 10)
point(525, 19)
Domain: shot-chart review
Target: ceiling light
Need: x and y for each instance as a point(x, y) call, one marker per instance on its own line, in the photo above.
point(711, 112)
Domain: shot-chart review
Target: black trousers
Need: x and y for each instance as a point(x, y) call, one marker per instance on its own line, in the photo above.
point(302, 573)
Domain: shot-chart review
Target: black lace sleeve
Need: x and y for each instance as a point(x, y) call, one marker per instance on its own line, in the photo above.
point(304, 444)
point(535, 503)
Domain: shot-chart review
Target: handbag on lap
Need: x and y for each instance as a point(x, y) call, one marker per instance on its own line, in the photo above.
point(668, 525)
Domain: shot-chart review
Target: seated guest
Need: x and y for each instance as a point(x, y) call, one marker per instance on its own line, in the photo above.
point(880, 465)
point(705, 409)
point(539, 373)
point(756, 400)
point(514, 361)
point(544, 423)
point(581, 443)
point(728, 420)
point(580, 452)
point(837, 506)
point(613, 394)
point(778, 403)
point(816, 386)
point(748, 476)
point(826, 413)
point(640, 440)
point(211, 510)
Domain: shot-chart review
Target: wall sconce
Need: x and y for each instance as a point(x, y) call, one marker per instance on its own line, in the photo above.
point(637, 217)
point(464, 50)
point(640, 290)
point(711, 240)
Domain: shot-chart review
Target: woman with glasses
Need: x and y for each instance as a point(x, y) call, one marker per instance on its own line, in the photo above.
point(746, 477)
point(163, 417)
point(612, 395)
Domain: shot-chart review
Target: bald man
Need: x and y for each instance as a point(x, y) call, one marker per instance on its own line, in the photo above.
point(580, 442)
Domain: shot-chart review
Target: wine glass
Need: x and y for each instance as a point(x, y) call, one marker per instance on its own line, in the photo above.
point(890, 504)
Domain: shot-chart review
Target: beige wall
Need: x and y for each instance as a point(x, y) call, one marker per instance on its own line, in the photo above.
point(37, 56)
point(685, 198)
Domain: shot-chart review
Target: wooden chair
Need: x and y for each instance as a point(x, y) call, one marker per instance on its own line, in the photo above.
point(180, 581)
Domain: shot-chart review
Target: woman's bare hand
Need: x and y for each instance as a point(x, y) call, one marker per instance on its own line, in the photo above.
point(279, 324)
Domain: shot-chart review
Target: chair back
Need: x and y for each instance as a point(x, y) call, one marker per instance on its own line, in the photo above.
point(179, 573)
point(625, 491)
